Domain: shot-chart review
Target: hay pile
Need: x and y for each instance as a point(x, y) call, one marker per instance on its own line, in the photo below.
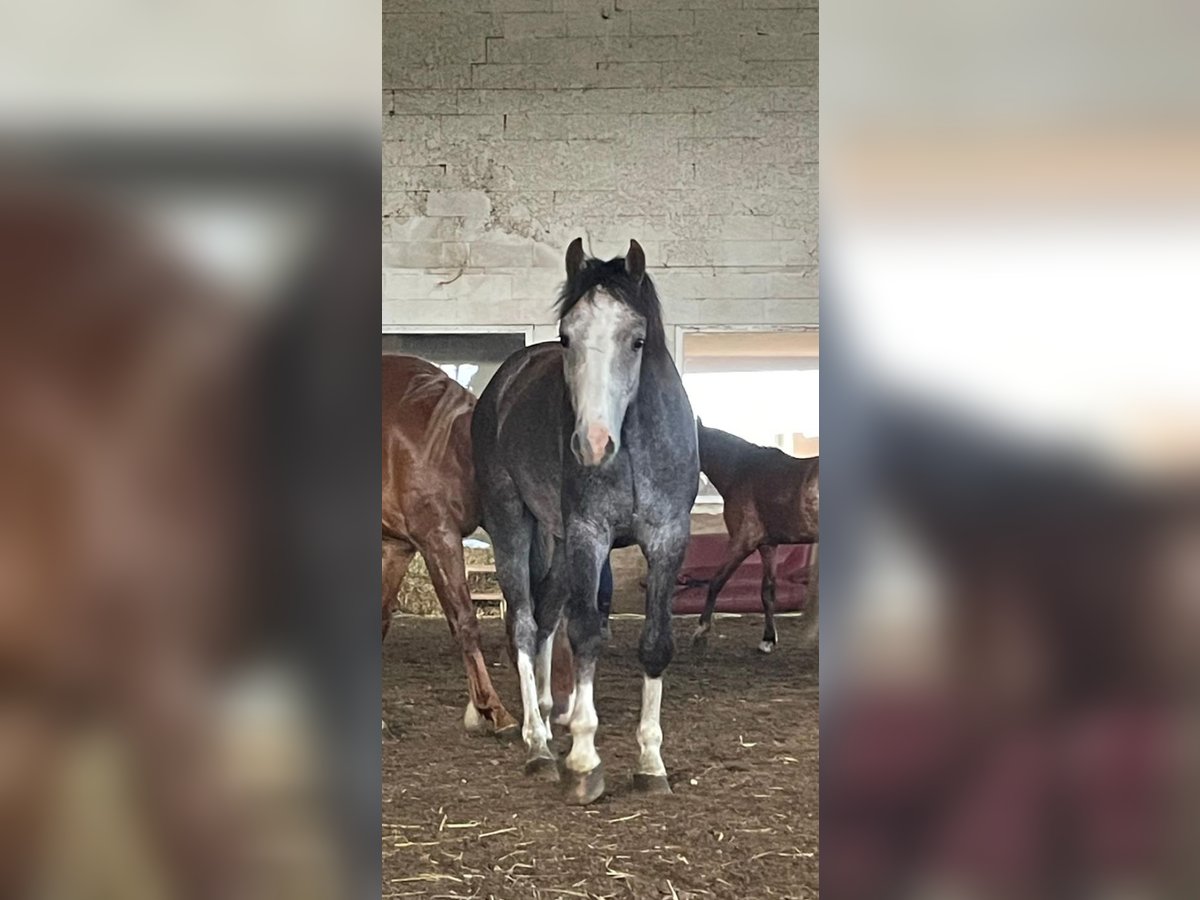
point(417, 597)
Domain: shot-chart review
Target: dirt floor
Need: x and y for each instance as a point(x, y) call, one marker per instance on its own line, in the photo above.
point(460, 819)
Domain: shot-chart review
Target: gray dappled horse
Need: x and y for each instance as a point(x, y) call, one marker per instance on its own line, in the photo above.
point(581, 445)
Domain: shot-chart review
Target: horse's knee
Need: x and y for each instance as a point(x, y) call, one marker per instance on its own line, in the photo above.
point(655, 652)
point(524, 632)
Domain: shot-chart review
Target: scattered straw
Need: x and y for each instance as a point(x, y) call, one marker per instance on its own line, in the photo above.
point(635, 815)
point(496, 832)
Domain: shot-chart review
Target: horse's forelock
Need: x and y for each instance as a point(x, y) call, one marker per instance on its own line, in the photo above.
point(640, 296)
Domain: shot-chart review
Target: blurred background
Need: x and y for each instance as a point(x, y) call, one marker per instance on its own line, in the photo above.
point(1010, 226)
point(188, 199)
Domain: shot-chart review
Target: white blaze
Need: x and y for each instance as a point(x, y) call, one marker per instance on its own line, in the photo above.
point(594, 383)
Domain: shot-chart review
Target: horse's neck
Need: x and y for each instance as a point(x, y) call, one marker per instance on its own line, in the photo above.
point(659, 382)
point(720, 461)
point(660, 390)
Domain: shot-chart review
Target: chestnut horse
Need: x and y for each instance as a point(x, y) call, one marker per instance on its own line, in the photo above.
point(429, 505)
point(771, 498)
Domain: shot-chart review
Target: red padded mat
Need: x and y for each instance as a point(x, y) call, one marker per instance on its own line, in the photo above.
point(743, 592)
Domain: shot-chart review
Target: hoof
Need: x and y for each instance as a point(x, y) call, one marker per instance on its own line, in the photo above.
point(651, 784)
point(580, 790)
point(474, 721)
point(544, 768)
point(509, 734)
point(766, 646)
point(700, 637)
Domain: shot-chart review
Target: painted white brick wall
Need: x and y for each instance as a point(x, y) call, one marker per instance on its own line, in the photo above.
point(512, 126)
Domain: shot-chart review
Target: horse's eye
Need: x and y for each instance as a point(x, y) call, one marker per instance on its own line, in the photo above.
point(564, 340)
point(638, 343)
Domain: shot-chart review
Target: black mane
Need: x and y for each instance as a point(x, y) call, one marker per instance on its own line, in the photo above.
point(738, 446)
point(641, 297)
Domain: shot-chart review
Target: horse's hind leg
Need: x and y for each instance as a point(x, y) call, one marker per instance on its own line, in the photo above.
point(812, 602)
point(548, 601)
point(512, 536)
point(443, 556)
point(562, 678)
point(396, 559)
point(738, 551)
point(655, 650)
point(767, 552)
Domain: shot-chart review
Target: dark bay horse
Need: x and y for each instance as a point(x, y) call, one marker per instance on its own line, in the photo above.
point(582, 445)
point(770, 499)
point(429, 505)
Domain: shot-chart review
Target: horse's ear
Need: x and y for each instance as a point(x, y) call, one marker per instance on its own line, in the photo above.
point(575, 257)
point(635, 261)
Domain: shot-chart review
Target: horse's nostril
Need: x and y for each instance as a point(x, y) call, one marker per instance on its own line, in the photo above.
point(600, 440)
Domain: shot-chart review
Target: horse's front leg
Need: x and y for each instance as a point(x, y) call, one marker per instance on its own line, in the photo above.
point(739, 549)
point(586, 550)
point(664, 556)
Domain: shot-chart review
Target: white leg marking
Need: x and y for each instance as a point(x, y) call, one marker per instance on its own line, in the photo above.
point(533, 729)
point(473, 719)
point(583, 757)
point(545, 658)
point(766, 646)
point(649, 731)
point(565, 718)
